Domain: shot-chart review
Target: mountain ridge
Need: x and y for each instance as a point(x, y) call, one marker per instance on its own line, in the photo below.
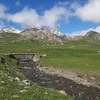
point(50, 36)
point(43, 33)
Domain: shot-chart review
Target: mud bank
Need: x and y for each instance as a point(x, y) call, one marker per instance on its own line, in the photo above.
point(42, 78)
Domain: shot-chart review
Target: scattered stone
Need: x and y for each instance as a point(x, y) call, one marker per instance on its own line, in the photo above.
point(15, 96)
point(63, 92)
point(36, 75)
point(98, 51)
point(46, 92)
point(92, 78)
point(28, 49)
point(26, 82)
point(44, 55)
point(16, 79)
point(95, 85)
point(2, 82)
point(10, 78)
point(22, 91)
point(1, 87)
point(85, 75)
point(36, 57)
point(6, 75)
point(56, 81)
point(26, 87)
point(43, 82)
point(26, 67)
point(70, 86)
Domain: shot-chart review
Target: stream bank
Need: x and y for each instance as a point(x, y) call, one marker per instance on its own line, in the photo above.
point(60, 83)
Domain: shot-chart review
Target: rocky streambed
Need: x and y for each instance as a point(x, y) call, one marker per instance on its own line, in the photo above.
point(48, 78)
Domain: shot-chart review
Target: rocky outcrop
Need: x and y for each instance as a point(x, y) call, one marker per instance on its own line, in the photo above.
point(43, 34)
point(92, 37)
point(37, 57)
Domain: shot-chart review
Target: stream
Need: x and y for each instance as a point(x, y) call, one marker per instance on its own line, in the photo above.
point(77, 91)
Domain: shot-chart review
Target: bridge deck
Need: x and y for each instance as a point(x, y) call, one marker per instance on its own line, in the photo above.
point(18, 53)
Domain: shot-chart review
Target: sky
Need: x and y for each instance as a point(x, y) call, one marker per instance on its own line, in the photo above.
point(71, 17)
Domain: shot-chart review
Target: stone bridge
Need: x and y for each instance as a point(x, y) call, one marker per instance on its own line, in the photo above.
point(26, 56)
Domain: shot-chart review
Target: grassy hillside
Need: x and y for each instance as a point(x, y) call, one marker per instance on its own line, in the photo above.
point(78, 56)
point(9, 37)
point(12, 89)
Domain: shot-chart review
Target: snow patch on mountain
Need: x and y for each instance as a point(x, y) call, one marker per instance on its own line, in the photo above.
point(57, 32)
point(29, 27)
point(11, 30)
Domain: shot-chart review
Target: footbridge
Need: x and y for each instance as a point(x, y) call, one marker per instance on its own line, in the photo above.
point(25, 56)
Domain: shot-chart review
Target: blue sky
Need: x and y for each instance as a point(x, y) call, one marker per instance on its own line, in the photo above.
point(73, 17)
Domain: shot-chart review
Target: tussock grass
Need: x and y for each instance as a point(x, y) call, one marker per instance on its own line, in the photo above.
point(79, 56)
point(11, 89)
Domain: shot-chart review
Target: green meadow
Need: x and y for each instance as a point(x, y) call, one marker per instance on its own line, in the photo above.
point(16, 90)
point(11, 89)
point(78, 56)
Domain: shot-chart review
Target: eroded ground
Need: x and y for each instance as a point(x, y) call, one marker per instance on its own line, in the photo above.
point(61, 83)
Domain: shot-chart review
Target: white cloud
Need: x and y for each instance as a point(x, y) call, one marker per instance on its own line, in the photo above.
point(17, 3)
point(2, 11)
point(89, 12)
point(51, 17)
point(83, 32)
point(29, 16)
point(55, 14)
point(75, 5)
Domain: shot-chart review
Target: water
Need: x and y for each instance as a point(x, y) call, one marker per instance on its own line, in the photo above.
point(77, 91)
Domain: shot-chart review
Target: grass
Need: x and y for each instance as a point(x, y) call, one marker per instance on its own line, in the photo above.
point(16, 90)
point(77, 59)
point(78, 56)
point(11, 89)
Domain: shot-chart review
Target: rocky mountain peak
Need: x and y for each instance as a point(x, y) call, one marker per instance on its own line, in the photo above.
point(91, 33)
point(92, 36)
point(57, 32)
point(30, 27)
point(43, 33)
